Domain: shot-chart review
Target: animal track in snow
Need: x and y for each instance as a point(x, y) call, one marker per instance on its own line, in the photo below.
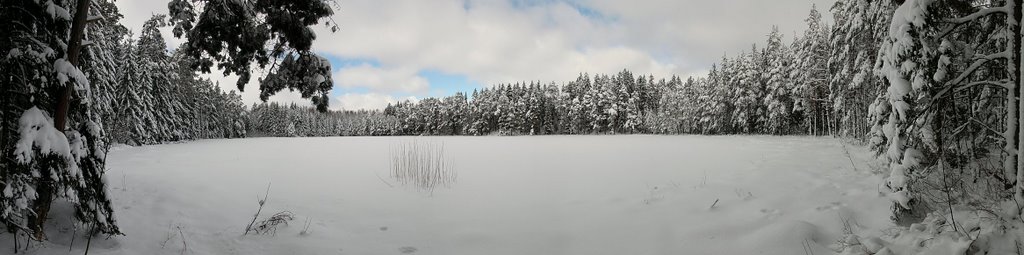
point(832, 206)
point(408, 249)
point(771, 213)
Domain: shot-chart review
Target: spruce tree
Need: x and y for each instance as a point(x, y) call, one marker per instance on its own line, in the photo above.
point(52, 143)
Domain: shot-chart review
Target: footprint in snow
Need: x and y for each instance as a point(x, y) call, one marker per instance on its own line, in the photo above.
point(771, 213)
point(832, 206)
point(407, 250)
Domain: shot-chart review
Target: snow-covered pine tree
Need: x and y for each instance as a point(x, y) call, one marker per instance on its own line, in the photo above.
point(472, 114)
point(108, 46)
point(953, 88)
point(52, 143)
point(152, 51)
point(627, 103)
point(691, 103)
point(674, 111)
point(580, 103)
point(777, 99)
point(554, 109)
point(721, 97)
point(859, 30)
point(453, 112)
point(134, 121)
point(811, 76)
point(748, 92)
point(534, 110)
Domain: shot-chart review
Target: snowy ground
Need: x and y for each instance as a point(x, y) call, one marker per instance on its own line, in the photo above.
point(513, 195)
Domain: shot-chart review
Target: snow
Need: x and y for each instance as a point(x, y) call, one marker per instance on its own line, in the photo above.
point(56, 11)
point(37, 132)
point(78, 145)
point(931, 237)
point(66, 70)
point(512, 195)
point(944, 60)
point(14, 53)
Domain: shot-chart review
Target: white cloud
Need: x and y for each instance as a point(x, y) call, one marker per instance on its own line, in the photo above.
point(492, 41)
point(701, 31)
point(137, 12)
point(495, 41)
point(252, 90)
point(381, 80)
point(367, 101)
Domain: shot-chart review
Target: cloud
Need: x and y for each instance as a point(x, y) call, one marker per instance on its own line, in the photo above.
point(490, 42)
point(378, 79)
point(252, 90)
point(493, 41)
point(366, 101)
point(701, 31)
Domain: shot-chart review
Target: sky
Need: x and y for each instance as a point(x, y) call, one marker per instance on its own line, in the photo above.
point(386, 51)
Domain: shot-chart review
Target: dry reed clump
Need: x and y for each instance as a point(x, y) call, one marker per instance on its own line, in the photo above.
point(424, 165)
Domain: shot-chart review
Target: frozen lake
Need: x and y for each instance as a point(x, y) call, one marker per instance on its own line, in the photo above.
point(508, 195)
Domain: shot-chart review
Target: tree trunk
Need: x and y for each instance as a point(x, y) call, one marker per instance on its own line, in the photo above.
point(1013, 94)
point(41, 206)
point(74, 50)
point(44, 188)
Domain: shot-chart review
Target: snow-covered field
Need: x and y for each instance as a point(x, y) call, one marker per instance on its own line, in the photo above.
point(512, 195)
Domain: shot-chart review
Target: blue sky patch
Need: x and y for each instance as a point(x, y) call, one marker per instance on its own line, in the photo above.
point(444, 84)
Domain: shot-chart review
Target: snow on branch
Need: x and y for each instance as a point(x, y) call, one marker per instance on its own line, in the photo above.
point(955, 23)
point(56, 11)
point(37, 131)
point(1005, 84)
point(979, 14)
point(977, 64)
point(65, 71)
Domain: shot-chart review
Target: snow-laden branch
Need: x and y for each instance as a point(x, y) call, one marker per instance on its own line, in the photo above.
point(977, 64)
point(979, 14)
point(973, 16)
point(36, 133)
point(1003, 84)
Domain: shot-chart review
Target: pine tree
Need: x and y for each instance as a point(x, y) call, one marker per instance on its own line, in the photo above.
point(719, 115)
point(777, 100)
point(51, 138)
point(235, 34)
point(811, 76)
point(748, 92)
point(941, 100)
point(859, 29)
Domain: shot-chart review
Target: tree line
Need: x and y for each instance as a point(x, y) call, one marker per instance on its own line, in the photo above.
point(291, 120)
point(819, 84)
point(156, 97)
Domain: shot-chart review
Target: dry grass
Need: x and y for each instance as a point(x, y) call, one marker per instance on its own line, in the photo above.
point(269, 225)
point(423, 165)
